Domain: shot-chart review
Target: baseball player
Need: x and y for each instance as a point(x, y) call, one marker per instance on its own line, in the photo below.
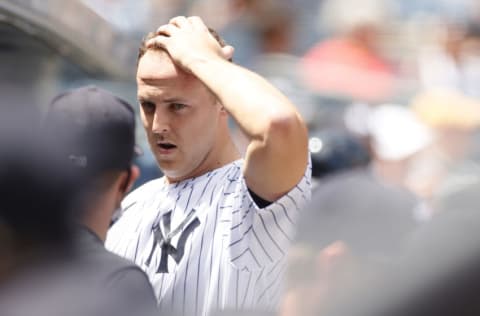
point(213, 233)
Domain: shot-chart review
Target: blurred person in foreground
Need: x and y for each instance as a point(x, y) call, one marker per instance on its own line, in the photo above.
point(214, 232)
point(37, 201)
point(43, 271)
point(438, 275)
point(360, 219)
point(100, 129)
point(353, 229)
point(38, 193)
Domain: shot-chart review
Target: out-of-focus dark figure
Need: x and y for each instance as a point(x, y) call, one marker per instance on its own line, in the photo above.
point(101, 147)
point(353, 225)
point(437, 276)
point(356, 223)
point(48, 267)
point(38, 191)
point(334, 150)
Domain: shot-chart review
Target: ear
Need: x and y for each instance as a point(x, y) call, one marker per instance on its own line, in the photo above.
point(131, 178)
point(223, 111)
point(125, 182)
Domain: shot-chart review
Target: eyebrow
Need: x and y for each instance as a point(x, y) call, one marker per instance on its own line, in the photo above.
point(168, 100)
point(143, 99)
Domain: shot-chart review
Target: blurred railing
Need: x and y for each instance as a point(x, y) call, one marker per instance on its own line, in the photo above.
point(76, 32)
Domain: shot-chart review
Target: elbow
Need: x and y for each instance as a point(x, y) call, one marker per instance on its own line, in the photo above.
point(289, 127)
point(286, 135)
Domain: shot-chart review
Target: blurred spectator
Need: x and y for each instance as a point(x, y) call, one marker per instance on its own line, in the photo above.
point(451, 9)
point(437, 275)
point(454, 61)
point(241, 30)
point(350, 62)
point(360, 219)
point(275, 62)
point(396, 136)
point(334, 150)
point(274, 32)
point(454, 118)
point(353, 222)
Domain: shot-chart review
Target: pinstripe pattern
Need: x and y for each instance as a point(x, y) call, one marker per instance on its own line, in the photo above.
point(234, 259)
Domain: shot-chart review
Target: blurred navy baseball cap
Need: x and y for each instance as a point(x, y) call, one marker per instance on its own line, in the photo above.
point(98, 127)
point(335, 149)
point(38, 189)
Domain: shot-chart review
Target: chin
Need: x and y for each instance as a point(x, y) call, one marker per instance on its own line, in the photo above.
point(177, 174)
point(173, 176)
point(171, 171)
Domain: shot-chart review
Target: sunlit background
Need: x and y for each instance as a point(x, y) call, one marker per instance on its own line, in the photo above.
point(389, 90)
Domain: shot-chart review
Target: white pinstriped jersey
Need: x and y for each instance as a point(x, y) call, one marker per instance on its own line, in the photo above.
point(205, 244)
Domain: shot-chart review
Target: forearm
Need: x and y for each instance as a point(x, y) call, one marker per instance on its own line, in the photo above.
point(275, 130)
point(251, 100)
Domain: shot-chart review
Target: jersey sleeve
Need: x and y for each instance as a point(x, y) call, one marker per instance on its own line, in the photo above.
point(262, 236)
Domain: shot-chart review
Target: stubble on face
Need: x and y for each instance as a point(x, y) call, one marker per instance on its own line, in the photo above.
point(192, 130)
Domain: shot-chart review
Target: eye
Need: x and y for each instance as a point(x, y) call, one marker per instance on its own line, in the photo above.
point(177, 106)
point(147, 106)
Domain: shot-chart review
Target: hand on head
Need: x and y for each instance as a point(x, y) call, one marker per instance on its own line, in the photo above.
point(188, 40)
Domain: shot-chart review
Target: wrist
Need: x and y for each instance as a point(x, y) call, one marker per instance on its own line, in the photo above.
point(200, 64)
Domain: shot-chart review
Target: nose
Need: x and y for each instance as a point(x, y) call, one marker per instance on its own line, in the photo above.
point(160, 123)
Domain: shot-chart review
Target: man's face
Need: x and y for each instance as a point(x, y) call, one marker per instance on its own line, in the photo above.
point(180, 115)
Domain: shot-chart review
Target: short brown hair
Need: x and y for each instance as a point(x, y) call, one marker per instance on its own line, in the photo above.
point(143, 46)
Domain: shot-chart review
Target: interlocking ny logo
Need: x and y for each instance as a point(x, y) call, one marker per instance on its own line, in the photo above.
point(164, 236)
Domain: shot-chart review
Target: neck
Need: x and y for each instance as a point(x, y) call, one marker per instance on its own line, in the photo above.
point(98, 218)
point(218, 157)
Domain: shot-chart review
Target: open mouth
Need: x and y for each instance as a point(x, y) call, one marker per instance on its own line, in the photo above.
point(166, 146)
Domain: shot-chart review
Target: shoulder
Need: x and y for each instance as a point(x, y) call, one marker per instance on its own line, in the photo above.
point(132, 200)
point(143, 192)
point(132, 209)
point(225, 177)
point(114, 270)
point(123, 278)
point(94, 255)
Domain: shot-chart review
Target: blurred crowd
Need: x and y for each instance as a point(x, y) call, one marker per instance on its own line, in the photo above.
point(390, 91)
